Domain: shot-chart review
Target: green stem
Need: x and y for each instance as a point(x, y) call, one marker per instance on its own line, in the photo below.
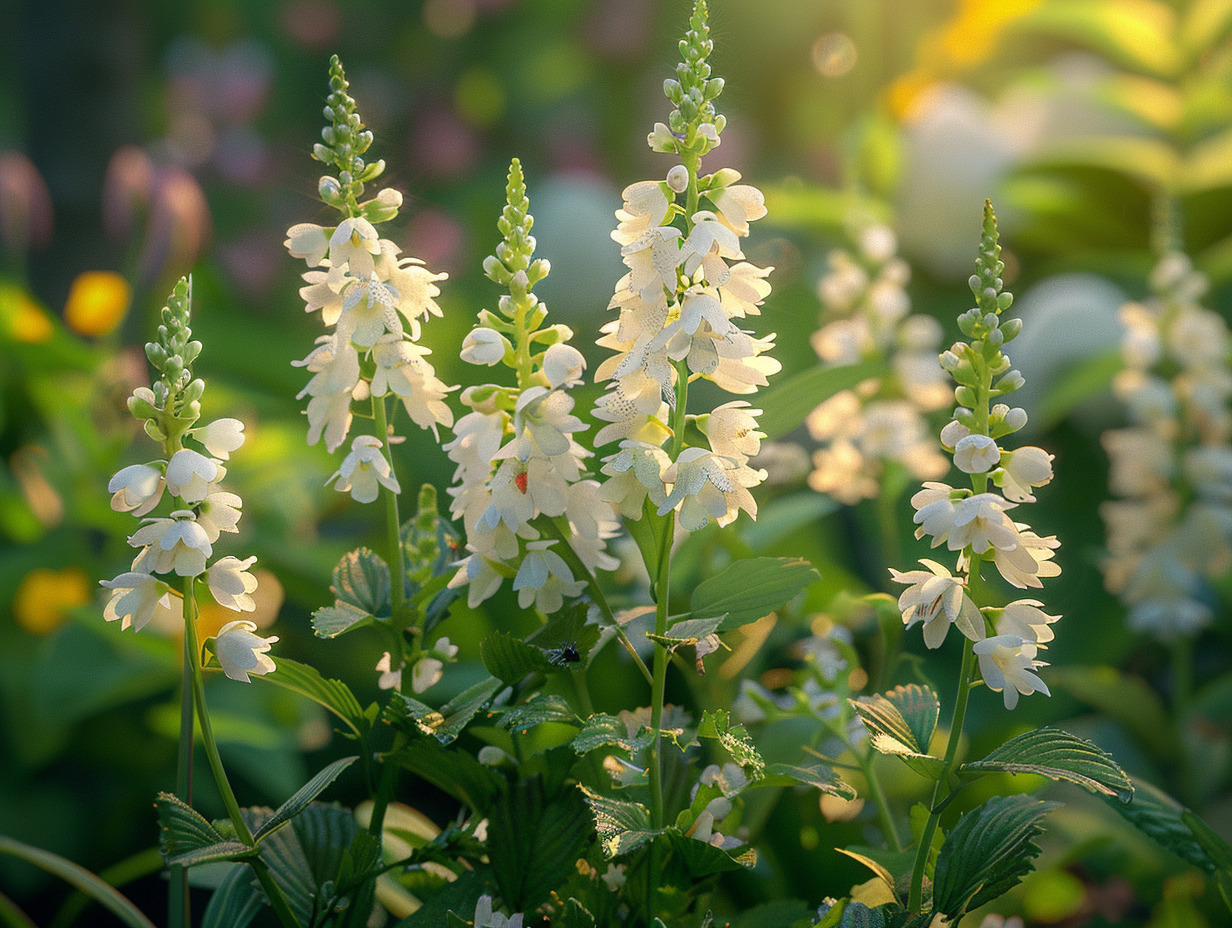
point(180, 911)
point(273, 891)
point(883, 806)
point(393, 529)
point(916, 898)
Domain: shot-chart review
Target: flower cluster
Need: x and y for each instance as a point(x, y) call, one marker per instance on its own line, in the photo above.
point(687, 286)
point(976, 523)
point(884, 418)
point(1171, 530)
point(519, 467)
point(374, 300)
point(182, 542)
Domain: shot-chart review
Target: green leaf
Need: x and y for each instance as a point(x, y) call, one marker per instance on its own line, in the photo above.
point(459, 895)
point(539, 708)
point(893, 868)
point(236, 901)
point(987, 853)
point(816, 777)
point(576, 915)
point(362, 580)
point(734, 738)
point(1078, 384)
point(603, 730)
point(455, 772)
point(788, 404)
point(79, 878)
point(1058, 755)
point(689, 631)
point(186, 838)
point(1216, 848)
point(701, 860)
point(781, 913)
point(334, 695)
point(332, 621)
point(509, 658)
point(534, 844)
point(304, 795)
point(783, 516)
point(746, 590)
point(1148, 163)
point(1155, 813)
point(1133, 33)
point(622, 826)
point(446, 723)
point(891, 733)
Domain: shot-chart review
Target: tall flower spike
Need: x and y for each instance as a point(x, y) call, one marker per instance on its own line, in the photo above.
point(688, 286)
point(976, 523)
point(518, 462)
point(373, 301)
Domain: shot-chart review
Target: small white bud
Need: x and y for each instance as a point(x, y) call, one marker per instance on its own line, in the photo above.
point(678, 178)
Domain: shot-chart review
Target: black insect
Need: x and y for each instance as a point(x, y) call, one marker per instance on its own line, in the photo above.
point(566, 654)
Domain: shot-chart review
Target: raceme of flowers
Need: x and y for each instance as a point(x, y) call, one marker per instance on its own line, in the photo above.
point(883, 419)
point(189, 482)
point(1170, 531)
point(977, 523)
point(374, 301)
point(518, 462)
point(680, 306)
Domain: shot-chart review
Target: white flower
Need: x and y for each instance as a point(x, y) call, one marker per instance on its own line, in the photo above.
point(732, 430)
point(136, 488)
point(980, 521)
point(563, 365)
point(231, 584)
point(134, 599)
point(189, 474)
point(544, 578)
point(369, 312)
point(401, 370)
point(486, 918)
point(221, 437)
point(240, 652)
point(976, 454)
point(426, 672)
point(307, 241)
point(219, 512)
point(1023, 469)
point(176, 544)
point(706, 485)
point(938, 599)
point(1007, 664)
point(934, 511)
point(364, 471)
point(388, 679)
point(738, 205)
point(1026, 619)
point(484, 346)
point(354, 243)
point(1030, 559)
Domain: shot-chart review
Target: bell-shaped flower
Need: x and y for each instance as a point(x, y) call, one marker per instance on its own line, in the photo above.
point(219, 512)
point(732, 430)
point(546, 417)
point(389, 679)
point(545, 579)
point(706, 485)
point(134, 599)
point(1007, 664)
point(738, 205)
point(1026, 619)
point(414, 285)
point(429, 668)
point(1021, 470)
point(635, 472)
point(480, 576)
point(241, 653)
point(364, 471)
point(177, 544)
point(976, 454)
point(307, 241)
point(231, 583)
point(189, 475)
point(368, 312)
point(938, 599)
point(980, 521)
point(709, 234)
point(563, 365)
point(484, 346)
point(324, 292)
point(221, 437)
point(401, 370)
point(934, 511)
point(354, 243)
point(1024, 564)
point(137, 488)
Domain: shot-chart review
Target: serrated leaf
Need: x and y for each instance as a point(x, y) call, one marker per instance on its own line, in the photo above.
point(789, 403)
point(362, 580)
point(689, 631)
point(460, 895)
point(534, 844)
point(455, 772)
point(1155, 813)
point(332, 621)
point(576, 915)
point(181, 828)
point(734, 738)
point(235, 903)
point(446, 723)
point(749, 589)
point(509, 658)
point(889, 732)
point(880, 870)
point(817, 777)
point(304, 795)
point(603, 730)
point(1125, 698)
point(539, 708)
point(919, 707)
point(622, 826)
point(701, 859)
point(334, 695)
point(212, 854)
point(1058, 755)
point(987, 853)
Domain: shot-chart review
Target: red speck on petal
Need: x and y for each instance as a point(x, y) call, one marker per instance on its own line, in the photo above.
point(520, 480)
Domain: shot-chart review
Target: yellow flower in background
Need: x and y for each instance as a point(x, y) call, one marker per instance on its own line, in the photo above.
point(45, 597)
point(97, 302)
point(23, 320)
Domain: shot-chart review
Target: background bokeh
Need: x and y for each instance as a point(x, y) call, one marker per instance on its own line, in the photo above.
point(151, 139)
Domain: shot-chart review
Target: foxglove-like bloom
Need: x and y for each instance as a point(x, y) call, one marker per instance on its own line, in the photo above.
point(231, 583)
point(137, 488)
point(938, 599)
point(134, 599)
point(1008, 665)
point(241, 653)
point(364, 471)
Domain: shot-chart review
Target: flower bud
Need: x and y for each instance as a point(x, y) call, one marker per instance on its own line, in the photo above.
point(328, 189)
point(1016, 418)
point(678, 178)
point(976, 454)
